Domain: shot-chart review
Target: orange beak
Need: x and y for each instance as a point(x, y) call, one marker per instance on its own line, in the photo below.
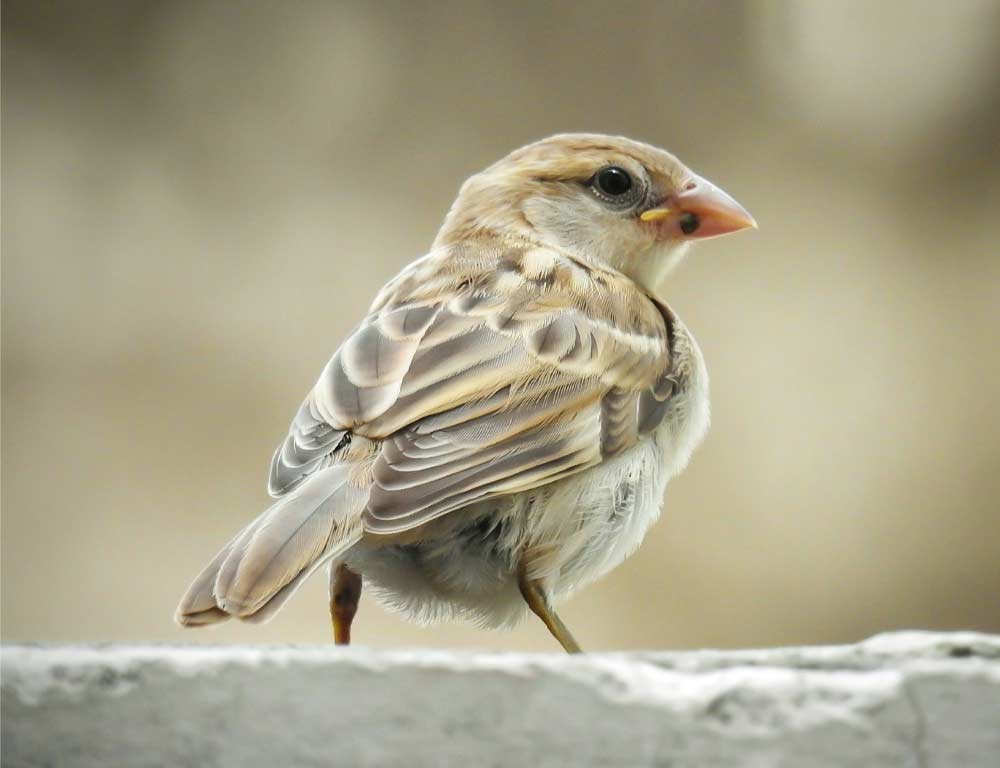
point(698, 211)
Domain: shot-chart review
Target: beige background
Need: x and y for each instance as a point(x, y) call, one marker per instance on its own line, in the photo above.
point(200, 199)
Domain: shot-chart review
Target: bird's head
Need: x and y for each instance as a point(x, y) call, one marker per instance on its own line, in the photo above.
point(604, 199)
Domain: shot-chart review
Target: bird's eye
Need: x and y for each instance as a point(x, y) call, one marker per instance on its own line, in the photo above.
point(613, 181)
point(616, 187)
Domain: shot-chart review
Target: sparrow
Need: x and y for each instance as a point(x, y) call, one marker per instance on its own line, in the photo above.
point(499, 430)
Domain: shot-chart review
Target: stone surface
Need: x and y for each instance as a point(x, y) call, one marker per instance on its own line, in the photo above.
point(909, 699)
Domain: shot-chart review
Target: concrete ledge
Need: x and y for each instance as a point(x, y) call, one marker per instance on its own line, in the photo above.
point(908, 699)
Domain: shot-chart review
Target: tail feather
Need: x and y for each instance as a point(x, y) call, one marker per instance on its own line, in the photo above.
point(256, 572)
point(268, 610)
point(198, 607)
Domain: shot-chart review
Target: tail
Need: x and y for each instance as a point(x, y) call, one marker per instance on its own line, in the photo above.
point(256, 572)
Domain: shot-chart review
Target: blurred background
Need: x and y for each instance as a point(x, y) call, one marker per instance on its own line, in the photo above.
point(200, 199)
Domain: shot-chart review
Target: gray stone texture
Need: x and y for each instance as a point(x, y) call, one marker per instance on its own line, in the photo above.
point(905, 699)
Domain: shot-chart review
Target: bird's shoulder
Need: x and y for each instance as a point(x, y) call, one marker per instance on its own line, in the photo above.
point(549, 296)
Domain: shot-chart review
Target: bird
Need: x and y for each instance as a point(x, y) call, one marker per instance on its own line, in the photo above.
point(499, 430)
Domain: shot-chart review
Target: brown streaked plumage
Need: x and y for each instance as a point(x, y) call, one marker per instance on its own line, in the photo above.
point(499, 429)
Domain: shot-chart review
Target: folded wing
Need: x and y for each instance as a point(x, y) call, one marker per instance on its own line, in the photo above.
point(482, 370)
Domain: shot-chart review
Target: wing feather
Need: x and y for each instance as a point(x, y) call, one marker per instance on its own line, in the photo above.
point(483, 371)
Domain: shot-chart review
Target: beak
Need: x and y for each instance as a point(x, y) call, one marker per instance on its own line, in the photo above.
point(698, 211)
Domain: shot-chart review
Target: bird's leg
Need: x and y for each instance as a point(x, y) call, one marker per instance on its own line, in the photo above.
point(534, 596)
point(345, 592)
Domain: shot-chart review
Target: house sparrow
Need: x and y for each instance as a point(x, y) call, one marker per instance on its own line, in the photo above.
point(500, 428)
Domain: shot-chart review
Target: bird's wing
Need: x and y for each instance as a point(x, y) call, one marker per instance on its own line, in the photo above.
point(483, 370)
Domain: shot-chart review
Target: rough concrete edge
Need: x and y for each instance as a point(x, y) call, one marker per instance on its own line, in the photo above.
point(34, 671)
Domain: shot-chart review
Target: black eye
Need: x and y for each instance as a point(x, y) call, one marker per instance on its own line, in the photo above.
point(613, 181)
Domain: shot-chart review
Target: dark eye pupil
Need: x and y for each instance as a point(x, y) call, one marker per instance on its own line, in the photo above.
point(614, 181)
